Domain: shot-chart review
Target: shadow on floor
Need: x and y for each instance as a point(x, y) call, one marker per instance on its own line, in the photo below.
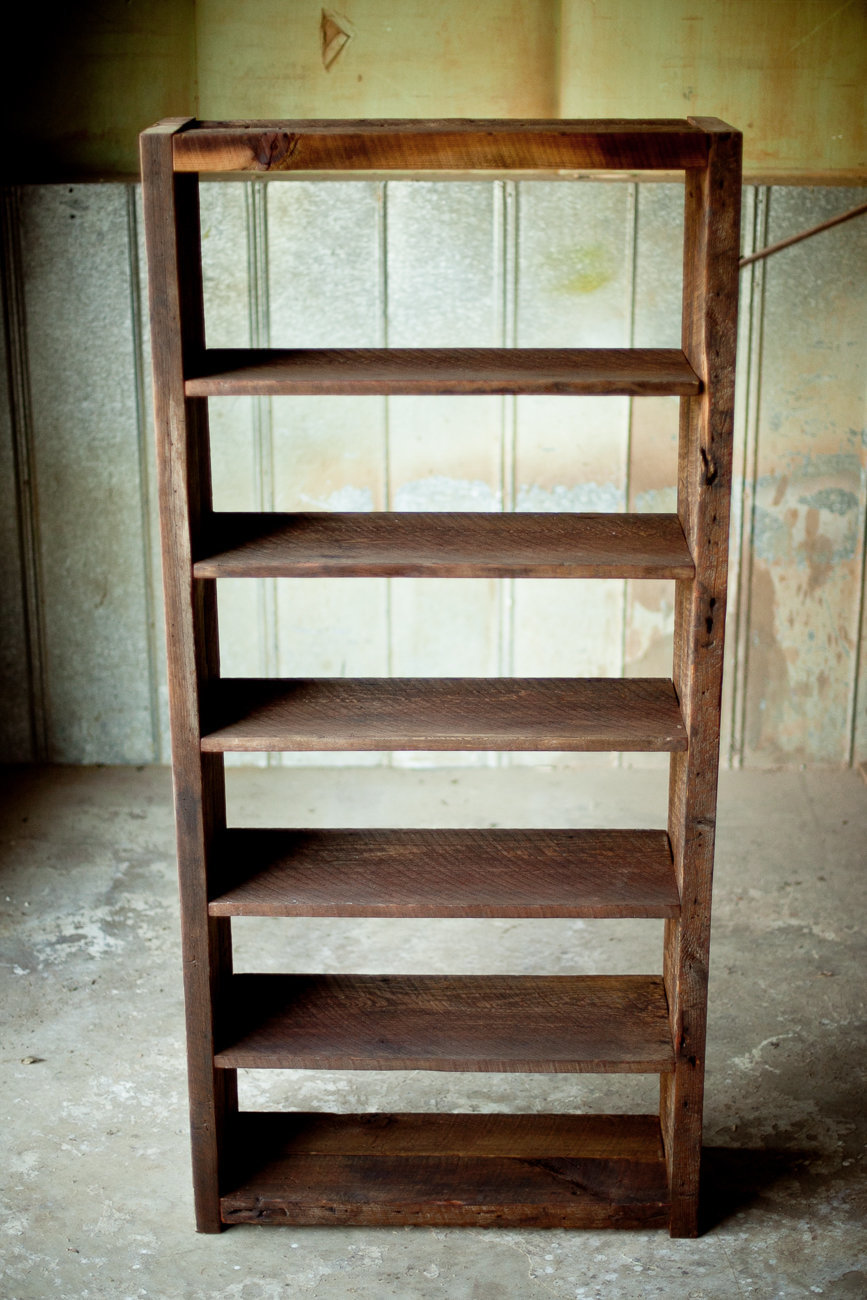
point(733, 1179)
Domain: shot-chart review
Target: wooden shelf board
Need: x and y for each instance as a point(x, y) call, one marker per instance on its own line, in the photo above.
point(509, 713)
point(527, 1024)
point(440, 145)
point(589, 1171)
point(439, 873)
point(417, 371)
point(444, 545)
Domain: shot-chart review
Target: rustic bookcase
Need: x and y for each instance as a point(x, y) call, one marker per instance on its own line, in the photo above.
point(481, 1169)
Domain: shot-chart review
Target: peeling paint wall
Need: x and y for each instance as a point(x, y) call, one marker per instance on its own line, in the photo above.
point(408, 263)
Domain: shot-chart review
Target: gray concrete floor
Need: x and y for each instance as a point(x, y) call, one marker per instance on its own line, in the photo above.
point(95, 1180)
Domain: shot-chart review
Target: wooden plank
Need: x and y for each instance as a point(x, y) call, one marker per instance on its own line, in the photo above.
point(543, 713)
point(521, 1024)
point(283, 1134)
point(429, 371)
point(445, 873)
point(458, 145)
point(459, 1170)
point(171, 212)
point(443, 545)
point(710, 294)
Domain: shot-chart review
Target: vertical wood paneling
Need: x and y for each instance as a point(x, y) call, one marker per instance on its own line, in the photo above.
point(86, 455)
point(574, 289)
point(326, 288)
point(147, 497)
point(363, 263)
point(152, 562)
point(444, 453)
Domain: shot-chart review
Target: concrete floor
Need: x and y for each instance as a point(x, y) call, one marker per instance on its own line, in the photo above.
point(95, 1181)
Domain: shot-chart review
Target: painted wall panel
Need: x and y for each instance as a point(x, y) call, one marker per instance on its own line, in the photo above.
point(574, 283)
point(151, 548)
point(808, 503)
point(444, 287)
point(325, 285)
point(77, 251)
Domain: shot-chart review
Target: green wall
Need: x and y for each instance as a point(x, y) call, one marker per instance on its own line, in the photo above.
point(790, 73)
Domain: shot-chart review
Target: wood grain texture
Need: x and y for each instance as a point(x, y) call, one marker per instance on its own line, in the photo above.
point(542, 713)
point(347, 1171)
point(455, 145)
point(526, 1024)
point(443, 545)
point(649, 372)
point(171, 212)
point(710, 293)
point(372, 1133)
point(533, 873)
point(459, 1170)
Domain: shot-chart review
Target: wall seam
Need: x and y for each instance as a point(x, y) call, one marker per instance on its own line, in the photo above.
point(632, 255)
point(26, 497)
point(505, 261)
point(259, 331)
point(145, 498)
point(382, 250)
point(509, 492)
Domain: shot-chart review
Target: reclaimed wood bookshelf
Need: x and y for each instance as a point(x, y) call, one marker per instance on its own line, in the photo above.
point(504, 1170)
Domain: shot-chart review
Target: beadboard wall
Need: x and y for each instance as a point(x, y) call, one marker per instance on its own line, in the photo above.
point(410, 264)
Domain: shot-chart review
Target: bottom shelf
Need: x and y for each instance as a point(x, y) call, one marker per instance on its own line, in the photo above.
point(532, 1171)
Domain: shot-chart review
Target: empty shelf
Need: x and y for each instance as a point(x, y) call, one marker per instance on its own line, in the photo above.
point(541, 713)
point(526, 1023)
point(569, 1171)
point(530, 873)
point(444, 545)
point(304, 371)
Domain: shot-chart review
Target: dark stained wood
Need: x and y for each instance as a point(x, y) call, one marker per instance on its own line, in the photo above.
point(542, 713)
point(443, 545)
point(483, 1170)
point(171, 212)
point(710, 292)
point(532, 873)
point(459, 145)
point(649, 372)
point(526, 1023)
point(589, 1171)
point(281, 1134)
